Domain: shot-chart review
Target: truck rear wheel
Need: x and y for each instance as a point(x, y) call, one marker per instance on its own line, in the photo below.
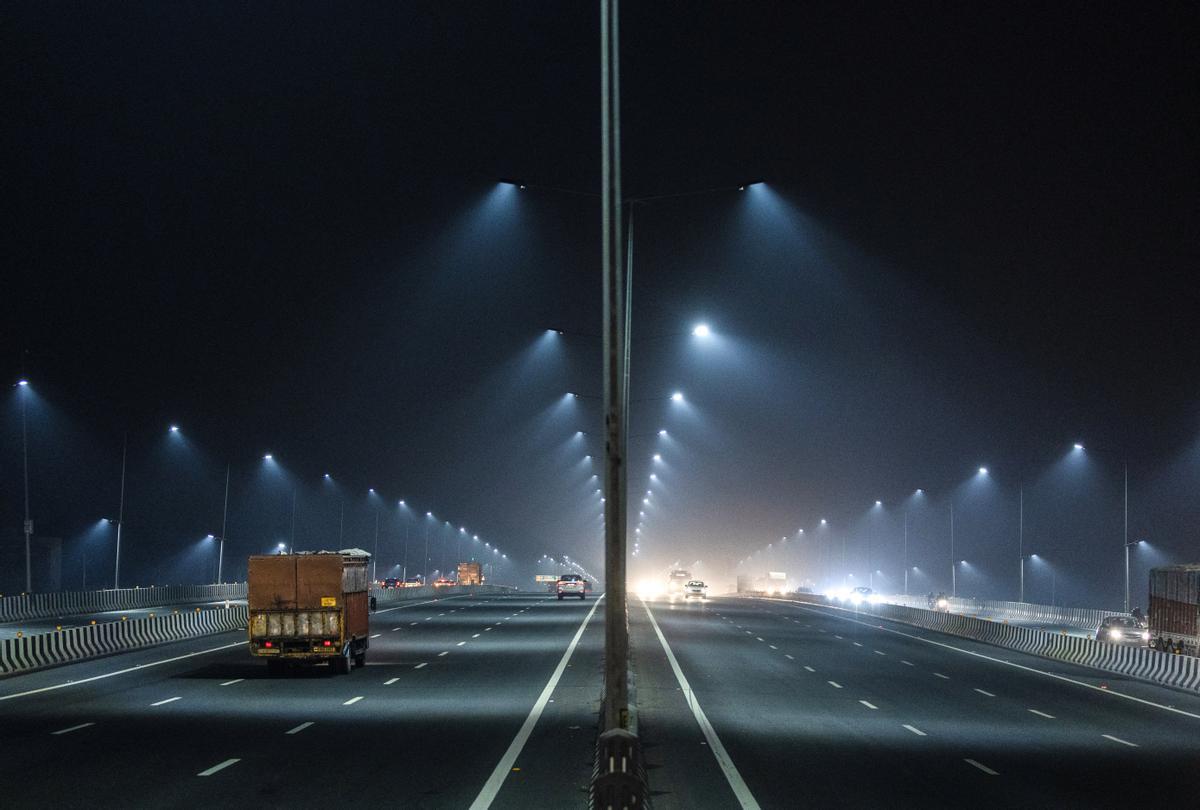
point(341, 664)
point(360, 659)
point(560, 597)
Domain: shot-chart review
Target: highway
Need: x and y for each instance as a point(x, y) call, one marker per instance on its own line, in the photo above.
point(459, 704)
point(816, 708)
point(49, 624)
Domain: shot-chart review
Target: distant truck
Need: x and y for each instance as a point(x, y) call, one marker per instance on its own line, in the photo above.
point(309, 608)
point(677, 580)
point(1175, 609)
point(470, 573)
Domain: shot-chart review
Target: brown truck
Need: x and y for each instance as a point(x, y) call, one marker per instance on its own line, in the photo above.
point(309, 608)
point(1175, 609)
point(470, 573)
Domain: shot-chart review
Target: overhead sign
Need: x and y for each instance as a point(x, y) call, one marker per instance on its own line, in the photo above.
point(545, 578)
point(776, 575)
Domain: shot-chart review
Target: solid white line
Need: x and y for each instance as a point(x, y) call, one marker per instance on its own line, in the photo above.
point(834, 684)
point(120, 671)
point(422, 664)
point(298, 728)
point(377, 635)
point(916, 731)
point(1119, 740)
point(492, 787)
point(72, 728)
point(1041, 714)
point(231, 683)
point(981, 767)
point(1013, 664)
point(168, 700)
point(868, 705)
point(353, 700)
point(219, 767)
point(980, 691)
point(390, 681)
point(744, 797)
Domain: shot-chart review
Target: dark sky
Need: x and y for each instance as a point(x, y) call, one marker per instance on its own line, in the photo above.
point(277, 224)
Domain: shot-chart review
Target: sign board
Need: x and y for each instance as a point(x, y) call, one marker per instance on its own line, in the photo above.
point(545, 578)
point(776, 575)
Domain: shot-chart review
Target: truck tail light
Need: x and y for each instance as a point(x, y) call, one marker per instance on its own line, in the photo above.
point(328, 643)
point(268, 644)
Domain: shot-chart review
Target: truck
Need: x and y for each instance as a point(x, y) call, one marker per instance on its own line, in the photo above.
point(676, 581)
point(470, 573)
point(309, 608)
point(1174, 615)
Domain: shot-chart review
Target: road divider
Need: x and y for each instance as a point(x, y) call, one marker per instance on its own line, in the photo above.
point(68, 603)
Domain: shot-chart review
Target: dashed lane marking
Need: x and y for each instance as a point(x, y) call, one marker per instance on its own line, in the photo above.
point(168, 700)
point(1119, 740)
point(390, 681)
point(377, 635)
point(353, 700)
point(810, 669)
point(868, 704)
point(231, 683)
point(72, 728)
point(834, 684)
point(220, 766)
point(298, 728)
point(981, 767)
point(422, 664)
point(1041, 714)
point(788, 657)
point(459, 644)
point(443, 652)
point(915, 730)
point(943, 677)
point(983, 692)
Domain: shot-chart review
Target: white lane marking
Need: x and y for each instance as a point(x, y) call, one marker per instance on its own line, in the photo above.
point(441, 614)
point(429, 618)
point(394, 629)
point(856, 644)
point(759, 638)
point(810, 669)
point(943, 677)
point(915, 730)
point(788, 657)
point(459, 644)
point(994, 660)
point(1041, 714)
point(168, 700)
point(772, 646)
point(231, 683)
point(834, 684)
point(220, 766)
point(981, 767)
point(1119, 740)
point(486, 629)
point(475, 636)
point(422, 664)
point(120, 671)
point(412, 624)
point(868, 704)
point(353, 700)
point(298, 728)
point(72, 728)
point(747, 632)
point(377, 635)
point(982, 692)
point(443, 652)
point(907, 663)
point(743, 794)
point(880, 652)
point(492, 787)
point(835, 635)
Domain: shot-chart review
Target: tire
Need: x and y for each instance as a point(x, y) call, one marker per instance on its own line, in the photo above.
point(560, 597)
point(360, 659)
point(582, 596)
point(341, 664)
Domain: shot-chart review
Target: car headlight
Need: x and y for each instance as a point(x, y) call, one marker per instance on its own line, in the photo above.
point(1145, 635)
point(942, 603)
point(1115, 634)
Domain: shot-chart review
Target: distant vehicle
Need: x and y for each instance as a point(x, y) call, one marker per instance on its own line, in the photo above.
point(309, 608)
point(470, 573)
point(1123, 630)
point(570, 585)
point(941, 603)
point(442, 582)
point(1175, 609)
point(695, 589)
point(414, 582)
point(392, 582)
point(861, 594)
point(677, 580)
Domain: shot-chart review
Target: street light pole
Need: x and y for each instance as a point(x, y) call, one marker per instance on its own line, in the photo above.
point(28, 525)
point(1126, 540)
point(224, 524)
point(906, 552)
point(375, 556)
point(120, 514)
point(1021, 537)
point(953, 566)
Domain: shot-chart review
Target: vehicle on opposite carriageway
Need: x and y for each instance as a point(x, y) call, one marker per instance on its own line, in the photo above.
point(1123, 630)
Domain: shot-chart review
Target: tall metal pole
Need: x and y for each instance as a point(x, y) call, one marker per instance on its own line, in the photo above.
point(906, 552)
point(120, 513)
point(953, 567)
point(1021, 537)
point(28, 524)
point(425, 570)
point(375, 556)
point(1126, 537)
point(292, 543)
point(224, 524)
point(341, 521)
point(404, 565)
point(616, 627)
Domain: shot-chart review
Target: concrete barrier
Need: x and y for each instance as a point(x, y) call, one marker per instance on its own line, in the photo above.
point(67, 603)
point(1082, 618)
point(92, 641)
point(1143, 663)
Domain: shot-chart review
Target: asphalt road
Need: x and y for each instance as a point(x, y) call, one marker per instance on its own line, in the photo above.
point(458, 702)
point(809, 707)
point(30, 627)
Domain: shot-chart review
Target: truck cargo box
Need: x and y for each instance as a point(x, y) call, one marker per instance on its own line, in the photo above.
point(1174, 614)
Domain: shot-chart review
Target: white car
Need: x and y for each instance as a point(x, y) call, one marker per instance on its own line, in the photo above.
point(695, 588)
point(571, 585)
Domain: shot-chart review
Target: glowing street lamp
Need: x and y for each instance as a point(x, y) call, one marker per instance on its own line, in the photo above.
point(701, 330)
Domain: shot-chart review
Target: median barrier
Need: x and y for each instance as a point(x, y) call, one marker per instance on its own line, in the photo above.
point(1143, 663)
point(67, 603)
point(93, 641)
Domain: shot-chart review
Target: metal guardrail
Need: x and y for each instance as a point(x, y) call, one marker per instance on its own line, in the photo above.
point(67, 603)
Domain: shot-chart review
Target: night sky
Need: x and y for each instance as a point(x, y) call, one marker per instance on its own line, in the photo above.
point(278, 226)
